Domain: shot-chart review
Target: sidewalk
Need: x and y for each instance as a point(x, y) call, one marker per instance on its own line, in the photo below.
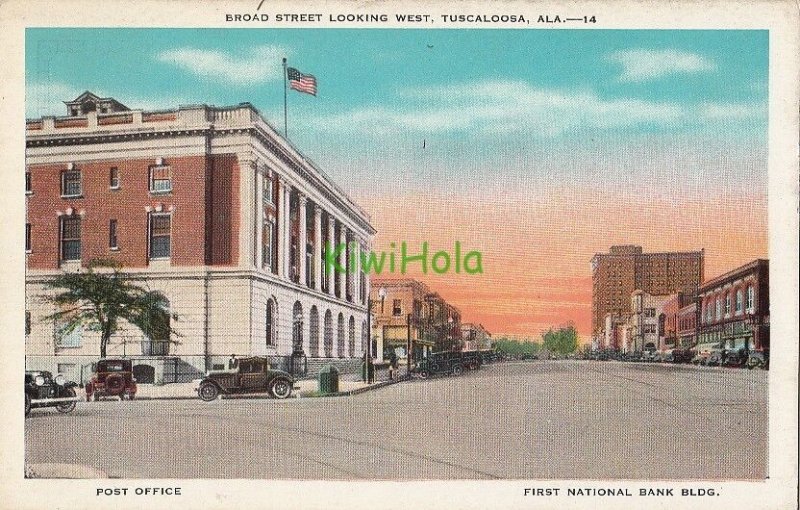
point(349, 384)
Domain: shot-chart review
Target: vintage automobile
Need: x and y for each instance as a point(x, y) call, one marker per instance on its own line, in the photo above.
point(682, 355)
point(43, 390)
point(250, 375)
point(734, 358)
point(471, 359)
point(715, 357)
point(112, 378)
point(443, 362)
point(758, 359)
point(703, 352)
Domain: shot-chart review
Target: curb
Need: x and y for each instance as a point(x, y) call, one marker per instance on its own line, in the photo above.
point(374, 386)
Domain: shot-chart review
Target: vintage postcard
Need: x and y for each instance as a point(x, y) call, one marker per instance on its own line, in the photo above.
point(400, 255)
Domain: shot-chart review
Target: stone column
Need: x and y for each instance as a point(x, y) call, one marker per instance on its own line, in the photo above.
point(284, 250)
point(302, 239)
point(343, 263)
point(317, 259)
point(330, 242)
point(259, 217)
point(356, 249)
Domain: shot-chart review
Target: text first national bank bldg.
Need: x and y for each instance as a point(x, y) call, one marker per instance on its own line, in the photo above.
point(208, 205)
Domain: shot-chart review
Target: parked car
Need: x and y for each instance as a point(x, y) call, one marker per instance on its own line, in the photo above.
point(443, 362)
point(44, 390)
point(735, 358)
point(703, 351)
point(649, 355)
point(666, 356)
point(758, 359)
point(715, 358)
point(471, 359)
point(490, 356)
point(251, 375)
point(682, 355)
point(112, 378)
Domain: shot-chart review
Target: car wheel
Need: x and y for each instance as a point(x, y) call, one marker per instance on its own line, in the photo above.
point(281, 388)
point(208, 392)
point(457, 369)
point(131, 396)
point(424, 374)
point(27, 404)
point(95, 397)
point(67, 407)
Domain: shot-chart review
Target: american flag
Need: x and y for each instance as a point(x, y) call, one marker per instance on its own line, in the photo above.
point(302, 82)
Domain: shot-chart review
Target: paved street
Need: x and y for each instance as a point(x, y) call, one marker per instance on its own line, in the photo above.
point(559, 419)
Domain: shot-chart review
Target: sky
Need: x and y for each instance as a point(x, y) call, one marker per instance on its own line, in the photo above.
point(538, 148)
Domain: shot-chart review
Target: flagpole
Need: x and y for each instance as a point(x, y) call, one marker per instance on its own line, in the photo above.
point(285, 114)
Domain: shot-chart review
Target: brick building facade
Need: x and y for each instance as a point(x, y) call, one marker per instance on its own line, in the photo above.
point(617, 274)
point(212, 207)
point(734, 308)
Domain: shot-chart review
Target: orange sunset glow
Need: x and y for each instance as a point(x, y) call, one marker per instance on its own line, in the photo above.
point(536, 253)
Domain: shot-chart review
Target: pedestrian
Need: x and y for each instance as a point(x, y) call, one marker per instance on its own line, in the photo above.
point(392, 365)
point(233, 362)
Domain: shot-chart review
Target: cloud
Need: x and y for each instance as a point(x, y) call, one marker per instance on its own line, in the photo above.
point(258, 65)
point(640, 65)
point(516, 107)
point(47, 98)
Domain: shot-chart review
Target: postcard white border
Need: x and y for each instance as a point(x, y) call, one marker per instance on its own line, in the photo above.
point(779, 491)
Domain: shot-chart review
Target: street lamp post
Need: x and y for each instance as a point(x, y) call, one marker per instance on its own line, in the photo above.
point(408, 344)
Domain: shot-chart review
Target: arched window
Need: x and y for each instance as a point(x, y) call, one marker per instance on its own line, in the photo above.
point(750, 298)
point(269, 323)
point(328, 335)
point(340, 336)
point(727, 304)
point(719, 308)
point(739, 302)
point(297, 326)
point(313, 332)
point(351, 338)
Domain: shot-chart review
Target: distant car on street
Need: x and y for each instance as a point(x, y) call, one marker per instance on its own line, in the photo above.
point(44, 390)
point(112, 378)
point(758, 359)
point(443, 362)
point(250, 375)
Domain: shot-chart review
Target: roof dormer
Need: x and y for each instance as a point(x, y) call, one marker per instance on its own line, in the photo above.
point(88, 102)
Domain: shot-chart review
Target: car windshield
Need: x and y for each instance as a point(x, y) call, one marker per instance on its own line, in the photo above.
point(115, 366)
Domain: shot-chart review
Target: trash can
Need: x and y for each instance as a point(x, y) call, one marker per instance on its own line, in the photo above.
point(328, 379)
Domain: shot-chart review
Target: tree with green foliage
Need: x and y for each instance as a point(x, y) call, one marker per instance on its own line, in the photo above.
point(515, 347)
point(563, 340)
point(101, 297)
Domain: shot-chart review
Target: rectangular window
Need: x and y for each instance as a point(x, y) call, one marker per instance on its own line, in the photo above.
point(71, 183)
point(739, 302)
point(266, 244)
point(28, 237)
point(112, 234)
point(28, 187)
point(397, 307)
point(650, 312)
point(268, 191)
point(27, 322)
point(750, 298)
point(70, 238)
point(160, 227)
point(113, 178)
point(69, 339)
point(160, 179)
point(727, 305)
